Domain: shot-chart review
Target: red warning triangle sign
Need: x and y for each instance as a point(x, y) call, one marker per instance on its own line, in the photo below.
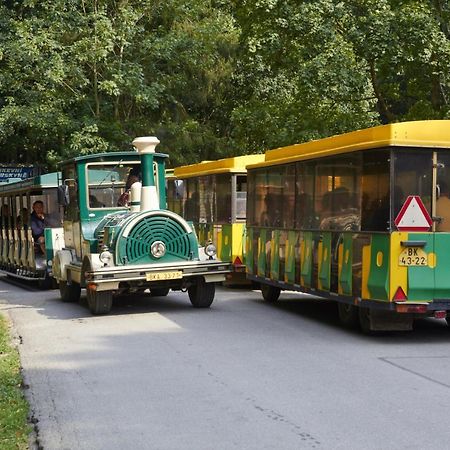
point(413, 216)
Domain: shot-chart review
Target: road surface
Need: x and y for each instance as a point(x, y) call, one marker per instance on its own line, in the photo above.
point(158, 374)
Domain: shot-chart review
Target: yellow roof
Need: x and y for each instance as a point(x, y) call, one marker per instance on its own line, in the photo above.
point(425, 133)
point(236, 164)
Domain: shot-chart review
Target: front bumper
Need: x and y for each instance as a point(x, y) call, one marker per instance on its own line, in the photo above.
point(110, 277)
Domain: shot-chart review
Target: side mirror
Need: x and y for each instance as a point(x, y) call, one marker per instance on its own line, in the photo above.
point(63, 195)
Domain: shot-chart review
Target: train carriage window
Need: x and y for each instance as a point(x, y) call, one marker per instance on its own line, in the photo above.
point(191, 198)
point(337, 192)
point(412, 176)
point(288, 193)
point(241, 197)
point(304, 211)
point(107, 182)
point(261, 191)
point(223, 198)
point(375, 190)
point(251, 198)
point(443, 191)
point(205, 199)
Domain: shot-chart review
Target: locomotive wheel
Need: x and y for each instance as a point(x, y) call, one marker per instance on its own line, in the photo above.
point(270, 293)
point(99, 302)
point(69, 292)
point(201, 294)
point(161, 292)
point(348, 314)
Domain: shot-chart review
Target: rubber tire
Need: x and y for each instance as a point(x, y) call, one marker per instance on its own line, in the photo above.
point(69, 292)
point(99, 302)
point(46, 284)
point(348, 314)
point(161, 292)
point(270, 293)
point(364, 320)
point(202, 294)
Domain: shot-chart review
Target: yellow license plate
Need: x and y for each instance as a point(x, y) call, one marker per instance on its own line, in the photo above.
point(157, 276)
point(413, 256)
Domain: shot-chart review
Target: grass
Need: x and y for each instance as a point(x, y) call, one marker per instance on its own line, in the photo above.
point(14, 428)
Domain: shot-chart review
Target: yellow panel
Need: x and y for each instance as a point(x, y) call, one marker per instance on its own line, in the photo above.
point(227, 165)
point(319, 258)
point(366, 251)
point(425, 133)
point(398, 274)
point(237, 241)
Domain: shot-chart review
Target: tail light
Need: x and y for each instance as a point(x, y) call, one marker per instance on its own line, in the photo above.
point(405, 308)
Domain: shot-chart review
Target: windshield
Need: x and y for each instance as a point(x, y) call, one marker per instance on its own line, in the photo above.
point(108, 182)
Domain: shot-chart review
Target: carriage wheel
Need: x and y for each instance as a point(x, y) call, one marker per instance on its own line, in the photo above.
point(69, 292)
point(270, 293)
point(348, 314)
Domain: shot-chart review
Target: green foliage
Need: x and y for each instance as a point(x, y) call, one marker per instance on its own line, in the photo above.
point(87, 76)
point(13, 407)
point(312, 69)
point(213, 78)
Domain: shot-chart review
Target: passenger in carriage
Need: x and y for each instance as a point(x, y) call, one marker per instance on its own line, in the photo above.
point(5, 217)
point(22, 219)
point(38, 224)
point(125, 198)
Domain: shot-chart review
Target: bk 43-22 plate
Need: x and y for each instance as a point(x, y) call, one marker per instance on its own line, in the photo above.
point(413, 256)
point(157, 276)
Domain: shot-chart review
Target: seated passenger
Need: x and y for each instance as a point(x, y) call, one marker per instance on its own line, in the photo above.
point(124, 199)
point(38, 223)
point(22, 219)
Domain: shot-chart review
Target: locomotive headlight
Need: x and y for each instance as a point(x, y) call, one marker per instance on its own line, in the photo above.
point(210, 249)
point(106, 257)
point(158, 249)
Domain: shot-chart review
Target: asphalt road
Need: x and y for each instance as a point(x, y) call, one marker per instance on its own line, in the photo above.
point(158, 374)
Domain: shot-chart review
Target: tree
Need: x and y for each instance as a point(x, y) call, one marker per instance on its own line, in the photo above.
point(86, 76)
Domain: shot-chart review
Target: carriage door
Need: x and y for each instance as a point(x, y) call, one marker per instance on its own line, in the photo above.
point(441, 223)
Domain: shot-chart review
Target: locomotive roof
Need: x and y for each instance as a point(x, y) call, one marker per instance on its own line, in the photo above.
point(425, 133)
point(235, 164)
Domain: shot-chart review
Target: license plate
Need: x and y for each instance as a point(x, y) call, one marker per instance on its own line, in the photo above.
point(413, 256)
point(157, 276)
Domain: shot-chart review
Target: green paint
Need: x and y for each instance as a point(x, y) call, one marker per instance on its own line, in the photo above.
point(249, 257)
point(289, 267)
point(441, 271)
point(227, 239)
point(378, 283)
point(161, 170)
point(136, 247)
point(148, 178)
point(421, 279)
point(262, 252)
point(275, 255)
point(306, 264)
point(345, 275)
point(325, 266)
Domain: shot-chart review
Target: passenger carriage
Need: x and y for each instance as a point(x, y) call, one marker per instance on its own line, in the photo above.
point(356, 218)
point(19, 257)
point(212, 194)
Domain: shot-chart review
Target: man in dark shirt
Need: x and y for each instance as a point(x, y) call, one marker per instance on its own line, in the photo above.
point(38, 223)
